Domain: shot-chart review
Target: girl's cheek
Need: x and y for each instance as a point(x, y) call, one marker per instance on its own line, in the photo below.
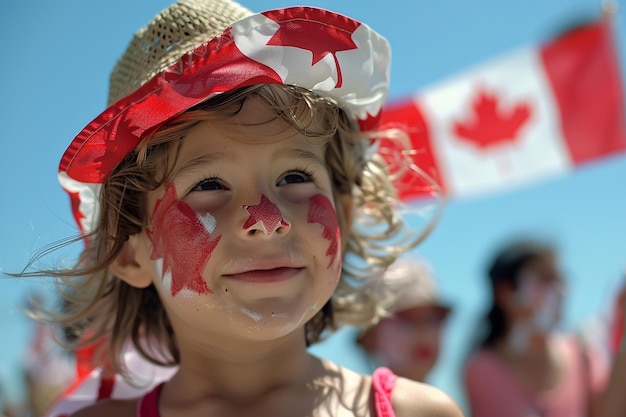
point(394, 341)
point(321, 211)
point(529, 292)
point(184, 240)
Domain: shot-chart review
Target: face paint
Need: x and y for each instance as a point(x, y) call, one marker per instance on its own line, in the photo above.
point(543, 298)
point(182, 238)
point(547, 317)
point(254, 316)
point(321, 211)
point(267, 214)
point(526, 294)
point(544, 301)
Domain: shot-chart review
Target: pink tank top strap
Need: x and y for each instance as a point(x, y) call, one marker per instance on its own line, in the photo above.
point(148, 405)
point(383, 381)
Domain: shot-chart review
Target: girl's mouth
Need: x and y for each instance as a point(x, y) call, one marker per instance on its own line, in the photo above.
point(423, 353)
point(265, 275)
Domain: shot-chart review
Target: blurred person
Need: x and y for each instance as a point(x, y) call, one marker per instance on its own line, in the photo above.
point(617, 320)
point(408, 341)
point(613, 402)
point(523, 365)
point(46, 367)
point(48, 371)
point(9, 405)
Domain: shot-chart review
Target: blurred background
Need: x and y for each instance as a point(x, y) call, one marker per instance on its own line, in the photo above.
point(54, 73)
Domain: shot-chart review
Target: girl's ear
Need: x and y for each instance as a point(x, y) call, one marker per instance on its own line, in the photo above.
point(130, 264)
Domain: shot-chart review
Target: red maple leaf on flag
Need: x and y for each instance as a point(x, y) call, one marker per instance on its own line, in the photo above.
point(316, 36)
point(490, 124)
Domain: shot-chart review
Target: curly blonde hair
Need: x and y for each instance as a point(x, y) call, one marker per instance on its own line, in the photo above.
point(100, 308)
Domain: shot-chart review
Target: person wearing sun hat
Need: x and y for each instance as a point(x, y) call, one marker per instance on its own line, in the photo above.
point(219, 195)
point(408, 340)
point(198, 49)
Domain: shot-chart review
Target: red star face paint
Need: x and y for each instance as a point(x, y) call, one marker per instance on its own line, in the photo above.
point(321, 211)
point(267, 214)
point(182, 238)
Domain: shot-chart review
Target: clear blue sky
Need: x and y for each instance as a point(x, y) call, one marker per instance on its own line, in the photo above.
point(54, 72)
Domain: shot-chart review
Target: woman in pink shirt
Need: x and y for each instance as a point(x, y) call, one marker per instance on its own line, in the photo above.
point(523, 367)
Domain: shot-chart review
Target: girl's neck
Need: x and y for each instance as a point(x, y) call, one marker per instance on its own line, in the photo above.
point(537, 346)
point(287, 383)
point(245, 370)
point(272, 389)
point(539, 368)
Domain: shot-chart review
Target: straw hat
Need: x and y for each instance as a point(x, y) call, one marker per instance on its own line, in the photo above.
point(409, 283)
point(197, 49)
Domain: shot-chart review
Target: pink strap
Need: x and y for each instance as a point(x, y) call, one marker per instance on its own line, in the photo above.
point(383, 381)
point(148, 406)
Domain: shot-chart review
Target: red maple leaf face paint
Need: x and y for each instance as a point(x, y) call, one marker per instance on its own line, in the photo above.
point(267, 214)
point(321, 211)
point(182, 238)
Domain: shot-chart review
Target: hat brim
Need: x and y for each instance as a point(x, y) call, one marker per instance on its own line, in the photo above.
point(308, 47)
point(439, 305)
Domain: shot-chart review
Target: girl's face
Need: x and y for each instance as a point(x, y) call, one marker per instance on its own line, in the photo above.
point(538, 297)
point(244, 241)
point(409, 342)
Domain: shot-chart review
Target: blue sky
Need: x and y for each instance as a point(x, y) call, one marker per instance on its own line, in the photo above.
point(57, 57)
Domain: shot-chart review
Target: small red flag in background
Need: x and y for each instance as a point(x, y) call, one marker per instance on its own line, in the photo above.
point(526, 116)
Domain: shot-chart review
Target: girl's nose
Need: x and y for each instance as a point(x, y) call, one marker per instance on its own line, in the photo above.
point(264, 218)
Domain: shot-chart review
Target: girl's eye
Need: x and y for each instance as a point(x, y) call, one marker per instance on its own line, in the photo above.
point(295, 177)
point(209, 184)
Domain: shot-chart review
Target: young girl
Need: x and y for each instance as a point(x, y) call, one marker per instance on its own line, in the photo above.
point(218, 195)
point(408, 341)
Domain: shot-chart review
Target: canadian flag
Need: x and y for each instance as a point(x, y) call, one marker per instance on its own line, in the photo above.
point(531, 114)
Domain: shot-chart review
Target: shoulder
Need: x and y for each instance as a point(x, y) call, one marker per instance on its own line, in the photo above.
point(107, 408)
point(411, 398)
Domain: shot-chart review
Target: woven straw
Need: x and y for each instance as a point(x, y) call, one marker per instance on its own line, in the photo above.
point(172, 33)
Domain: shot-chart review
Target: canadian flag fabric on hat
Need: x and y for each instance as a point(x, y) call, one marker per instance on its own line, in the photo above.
point(528, 115)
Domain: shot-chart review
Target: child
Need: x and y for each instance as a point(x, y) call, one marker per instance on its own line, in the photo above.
point(408, 341)
point(217, 196)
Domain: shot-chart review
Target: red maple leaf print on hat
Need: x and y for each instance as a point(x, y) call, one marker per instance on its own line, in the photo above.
point(491, 125)
point(315, 36)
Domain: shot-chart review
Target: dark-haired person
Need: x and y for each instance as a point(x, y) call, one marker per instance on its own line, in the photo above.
point(524, 366)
